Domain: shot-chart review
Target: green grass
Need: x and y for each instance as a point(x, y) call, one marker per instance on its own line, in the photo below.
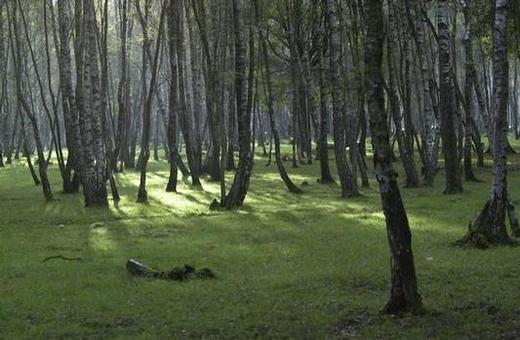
point(289, 266)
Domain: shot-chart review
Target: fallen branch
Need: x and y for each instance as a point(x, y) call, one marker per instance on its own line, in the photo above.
point(61, 257)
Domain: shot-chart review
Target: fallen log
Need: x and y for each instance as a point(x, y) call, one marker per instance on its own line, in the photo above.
point(184, 273)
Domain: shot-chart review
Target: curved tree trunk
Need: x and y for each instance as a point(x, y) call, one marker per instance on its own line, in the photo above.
point(404, 295)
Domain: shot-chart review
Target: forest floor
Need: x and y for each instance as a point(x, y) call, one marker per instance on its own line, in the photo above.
point(288, 266)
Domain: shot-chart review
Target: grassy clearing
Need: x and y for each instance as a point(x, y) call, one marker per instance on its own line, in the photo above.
point(308, 266)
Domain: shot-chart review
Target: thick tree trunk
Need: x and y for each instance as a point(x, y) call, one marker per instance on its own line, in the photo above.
point(404, 296)
point(93, 169)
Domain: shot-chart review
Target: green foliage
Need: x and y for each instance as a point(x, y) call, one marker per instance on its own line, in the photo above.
point(289, 266)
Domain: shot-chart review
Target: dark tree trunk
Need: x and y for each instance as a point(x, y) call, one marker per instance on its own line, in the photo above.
point(71, 180)
point(323, 149)
point(243, 91)
point(173, 21)
point(447, 102)
point(404, 296)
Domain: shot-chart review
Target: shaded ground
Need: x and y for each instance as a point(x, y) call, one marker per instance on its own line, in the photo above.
point(308, 266)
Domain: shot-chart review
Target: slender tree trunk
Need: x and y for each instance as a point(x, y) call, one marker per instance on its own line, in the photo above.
point(447, 102)
point(270, 108)
point(173, 21)
point(348, 187)
point(323, 149)
point(469, 175)
point(142, 195)
point(33, 120)
point(412, 179)
point(243, 91)
point(490, 226)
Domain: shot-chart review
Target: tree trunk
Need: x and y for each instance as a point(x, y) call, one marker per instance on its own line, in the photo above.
point(173, 21)
point(348, 187)
point(447, 102)
point(243, 91)
point(404, 296)
point(270, 108)
point(142, 195)
point(412, 179)
point(323, 148)
point(490, 226)
point(469, 175)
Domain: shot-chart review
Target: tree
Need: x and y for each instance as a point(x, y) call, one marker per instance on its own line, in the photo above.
point(238, 191)
point(404, 296)
point(93, 173)
point(173, 22)
point(447, 102)
point(490, 226)
point(142, 194)
point(270, 108)
point(348, 185)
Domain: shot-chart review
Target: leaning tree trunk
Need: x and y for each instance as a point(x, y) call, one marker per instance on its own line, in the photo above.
point(490, 226)
point(404, 295)
point(447, 102)
point(19, 70)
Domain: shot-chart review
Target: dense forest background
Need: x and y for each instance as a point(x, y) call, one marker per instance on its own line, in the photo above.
point(420, 93)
